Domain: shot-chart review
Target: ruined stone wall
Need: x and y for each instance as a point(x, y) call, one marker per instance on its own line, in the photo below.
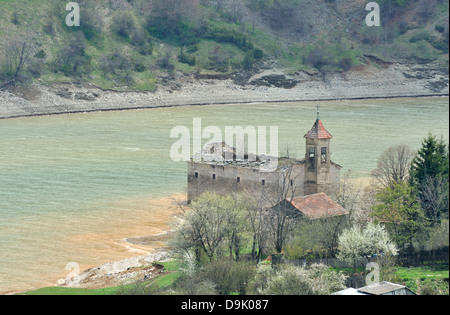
point(228, 179)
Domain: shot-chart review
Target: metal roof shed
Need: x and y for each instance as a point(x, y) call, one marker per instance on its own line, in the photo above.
point(380, 288)
point(386, 288)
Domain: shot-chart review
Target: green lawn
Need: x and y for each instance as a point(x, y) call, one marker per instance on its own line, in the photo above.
point(416, 277)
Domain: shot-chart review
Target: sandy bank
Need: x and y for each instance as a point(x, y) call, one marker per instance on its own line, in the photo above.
point(365, 82)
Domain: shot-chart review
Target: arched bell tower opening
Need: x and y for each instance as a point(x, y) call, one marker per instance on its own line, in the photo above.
point(318, 158)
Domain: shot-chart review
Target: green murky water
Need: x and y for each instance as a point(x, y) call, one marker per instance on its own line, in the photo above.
point(73, 186)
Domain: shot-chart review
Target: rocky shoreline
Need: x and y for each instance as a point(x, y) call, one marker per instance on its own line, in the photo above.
point(118, 273)
point(375, 80)
point(126, 271)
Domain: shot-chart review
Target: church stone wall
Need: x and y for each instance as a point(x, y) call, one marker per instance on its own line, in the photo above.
point(228, 179)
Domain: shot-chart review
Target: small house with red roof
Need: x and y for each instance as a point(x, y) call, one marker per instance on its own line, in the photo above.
point(312, 207)
point(317, 206)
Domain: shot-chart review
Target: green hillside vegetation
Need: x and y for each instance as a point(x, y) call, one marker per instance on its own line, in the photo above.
point(131, 44)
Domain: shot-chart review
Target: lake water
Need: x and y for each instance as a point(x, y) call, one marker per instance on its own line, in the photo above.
point(72, 187)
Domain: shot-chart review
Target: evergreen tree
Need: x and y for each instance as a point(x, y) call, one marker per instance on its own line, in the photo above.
point(431, 160)
point(429, 175)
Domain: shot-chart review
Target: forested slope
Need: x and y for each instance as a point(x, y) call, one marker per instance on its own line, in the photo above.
point(135, 44)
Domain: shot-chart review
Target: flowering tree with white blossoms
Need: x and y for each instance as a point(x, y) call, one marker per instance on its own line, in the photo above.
point(358, 242)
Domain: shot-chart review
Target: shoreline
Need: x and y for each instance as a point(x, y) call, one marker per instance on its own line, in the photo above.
point(224, 103)
point(139, 267)
point(361, 83)
point(116, 272)
point(128, 248)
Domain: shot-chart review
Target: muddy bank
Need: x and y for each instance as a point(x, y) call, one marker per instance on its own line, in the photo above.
point(363, 82)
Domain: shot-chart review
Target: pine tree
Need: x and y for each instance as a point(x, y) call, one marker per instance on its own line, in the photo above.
point(431, 160)
point(429, 176)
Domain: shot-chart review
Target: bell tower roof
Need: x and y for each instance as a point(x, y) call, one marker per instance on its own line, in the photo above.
point(318, 131)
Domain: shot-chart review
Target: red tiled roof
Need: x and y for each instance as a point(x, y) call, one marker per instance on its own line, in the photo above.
point(318, 131)
point(318, 206)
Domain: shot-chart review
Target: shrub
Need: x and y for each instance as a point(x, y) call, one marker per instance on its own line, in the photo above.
point(123, 24)
point(219, 61)
point(142, 42)
point(72, 58)
point(15, 18)
point(158, 28)
point(165, 61)
point(224, 35)
point(439, 28)
point(40, 54)
point(192, 49)
point(318, 58)
point(317, 279)
point(92, 19)
point(139, 288)
point(178, 31)
point(419, 36)
point(184, 58)
point(49, 28)
point(403, 27)
point(439, 44)
point(372, 35)
point(288, 282)
point(139, 67)
point(228, 275)
point(36, 67)
point(194, 285)
point(185, 34)
point(248, 61)
point(258, 53)
point(345, 63)
point(111, 63)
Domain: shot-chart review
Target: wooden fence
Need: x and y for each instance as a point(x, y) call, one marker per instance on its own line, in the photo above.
point(404, 261)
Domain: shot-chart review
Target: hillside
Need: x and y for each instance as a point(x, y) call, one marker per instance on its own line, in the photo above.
point(142, 45)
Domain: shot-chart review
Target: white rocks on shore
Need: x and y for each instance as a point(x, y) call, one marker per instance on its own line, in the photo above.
point(119, 272)
point(361, 82)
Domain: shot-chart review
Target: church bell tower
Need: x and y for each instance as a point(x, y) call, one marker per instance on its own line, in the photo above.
point(318, 158)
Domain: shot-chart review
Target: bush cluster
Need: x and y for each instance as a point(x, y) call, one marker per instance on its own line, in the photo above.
point(224, 35)
point(322, 59)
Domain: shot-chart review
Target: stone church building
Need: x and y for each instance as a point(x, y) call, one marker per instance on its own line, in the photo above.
point(316, 173)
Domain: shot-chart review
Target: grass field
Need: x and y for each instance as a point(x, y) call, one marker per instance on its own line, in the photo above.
point(417, 278)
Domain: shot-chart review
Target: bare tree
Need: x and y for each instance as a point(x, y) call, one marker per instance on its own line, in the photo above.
point(278, 219)
point(362, 214)
point(213, 224)
point(435, 197)
point(347, 193)
point(255, 218)
point(72, 58)
point(17, 52)
point(393, 165)
point(321, 235)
